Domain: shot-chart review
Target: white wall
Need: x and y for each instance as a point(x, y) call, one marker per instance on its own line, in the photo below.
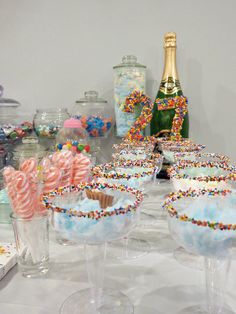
point(51, 51)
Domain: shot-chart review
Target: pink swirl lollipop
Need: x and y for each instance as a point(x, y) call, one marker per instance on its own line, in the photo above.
point(29, 165)
point(80, 169)
point(25, 201)
point(63, 161)
point(51, 176)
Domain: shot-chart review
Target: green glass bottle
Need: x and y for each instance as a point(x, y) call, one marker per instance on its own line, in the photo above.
point(170, 87)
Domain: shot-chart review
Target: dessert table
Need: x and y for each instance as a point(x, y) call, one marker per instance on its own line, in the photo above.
point(156, 283)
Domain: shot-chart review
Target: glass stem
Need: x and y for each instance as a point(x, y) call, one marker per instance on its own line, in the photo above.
point(216, 272)
point(95, 260)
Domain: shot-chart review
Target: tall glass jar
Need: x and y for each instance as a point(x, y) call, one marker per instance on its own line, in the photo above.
point(47, 122)
point(95, 114)
point(128, 76)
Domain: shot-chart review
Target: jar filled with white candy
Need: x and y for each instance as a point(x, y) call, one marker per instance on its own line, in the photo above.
point(128, 76)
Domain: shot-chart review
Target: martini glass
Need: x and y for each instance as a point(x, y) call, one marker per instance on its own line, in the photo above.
point(93, 214)
point(135, 174)
point(134, 145)
point(198, 175)
point(192, 156)
point(170, 148)
point(142, 154)
point(201, 175)
point(204, 223)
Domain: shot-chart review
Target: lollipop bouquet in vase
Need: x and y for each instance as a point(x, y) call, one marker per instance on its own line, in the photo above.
point(204, 223)
point(93, 214)
point(29, 218)
point(196, 175)
point(136, 174)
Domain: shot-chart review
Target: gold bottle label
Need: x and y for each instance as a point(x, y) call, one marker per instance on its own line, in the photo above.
point(170, 86)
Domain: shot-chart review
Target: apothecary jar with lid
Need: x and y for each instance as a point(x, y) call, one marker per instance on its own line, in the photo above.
point(95, 114)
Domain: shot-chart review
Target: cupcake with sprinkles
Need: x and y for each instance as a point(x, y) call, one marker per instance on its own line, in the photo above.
point(201, 175)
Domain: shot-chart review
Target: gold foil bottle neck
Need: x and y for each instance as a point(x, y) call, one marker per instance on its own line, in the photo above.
point(170, 40)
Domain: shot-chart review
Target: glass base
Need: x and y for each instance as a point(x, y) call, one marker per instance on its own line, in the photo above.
point(63, 241)
point(198, 309)
point(110, 302)
point(188, 259)
point(34, 271)
point(128, 248)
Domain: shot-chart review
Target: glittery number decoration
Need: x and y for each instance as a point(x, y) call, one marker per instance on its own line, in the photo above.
point(138, 98)
point(180, 104)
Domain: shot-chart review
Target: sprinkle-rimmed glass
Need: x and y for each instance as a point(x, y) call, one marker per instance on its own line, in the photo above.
point(204, 223)
point(84, 219)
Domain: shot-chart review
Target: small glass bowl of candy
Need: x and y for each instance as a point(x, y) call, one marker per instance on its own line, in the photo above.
point(201, 175)
point(96, 116)
point(136, 174)
point(192, 156)
point(204, 223)
point(47, 122)
point(169, 149)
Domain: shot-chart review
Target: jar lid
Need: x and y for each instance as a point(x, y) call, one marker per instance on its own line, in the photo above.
point(7, 102)
point(72, 124)
point(129, 61)
point(91, 96)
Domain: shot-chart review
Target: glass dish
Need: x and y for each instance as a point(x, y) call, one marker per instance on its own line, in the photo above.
point(200, 175)
point(93, 214)
point(204, 223)
point(192, 156)
point(169, 149)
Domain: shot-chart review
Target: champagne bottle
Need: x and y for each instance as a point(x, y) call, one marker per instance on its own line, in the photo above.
point(170, 87)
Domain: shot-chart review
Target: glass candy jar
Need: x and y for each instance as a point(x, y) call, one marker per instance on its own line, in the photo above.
point(128, 76)
point(29, 147)
point(5, 207)
point(73, 137)
point(95, 114)
point(48, 122)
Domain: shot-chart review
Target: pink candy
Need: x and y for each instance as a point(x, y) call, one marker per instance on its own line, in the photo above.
point(80, 169)
point(26, 186)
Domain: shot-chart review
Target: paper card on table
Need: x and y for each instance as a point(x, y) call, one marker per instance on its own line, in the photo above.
point(7, 258)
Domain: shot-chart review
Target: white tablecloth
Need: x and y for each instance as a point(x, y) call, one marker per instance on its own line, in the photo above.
point(156, 283)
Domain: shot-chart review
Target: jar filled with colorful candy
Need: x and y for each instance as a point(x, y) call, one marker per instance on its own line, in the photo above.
point(48, 122)
point(73, 137)
point(11, 129)
point(95, 114)
point(128, 76)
